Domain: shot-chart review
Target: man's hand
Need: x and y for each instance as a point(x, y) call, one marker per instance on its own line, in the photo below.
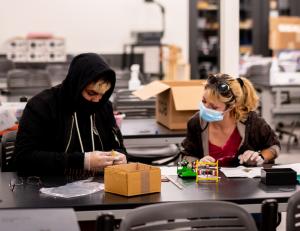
point(97, 160)
point(119, 158)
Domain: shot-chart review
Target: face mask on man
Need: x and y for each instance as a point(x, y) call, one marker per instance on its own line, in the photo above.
point(87, 106)
point(210, 115)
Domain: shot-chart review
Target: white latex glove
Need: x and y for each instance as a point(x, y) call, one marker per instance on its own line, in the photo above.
point(119, 158)
point(250, 157)
point(97, 160)
point(208, 159)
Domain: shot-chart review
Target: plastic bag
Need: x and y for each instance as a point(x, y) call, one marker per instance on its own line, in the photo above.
point(74, 189)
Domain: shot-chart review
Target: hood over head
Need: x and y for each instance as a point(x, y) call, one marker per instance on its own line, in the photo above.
point(84, 69)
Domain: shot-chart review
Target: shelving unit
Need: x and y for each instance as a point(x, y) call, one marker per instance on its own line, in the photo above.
point(207, 36)
point(204, 33)
point(246, 25)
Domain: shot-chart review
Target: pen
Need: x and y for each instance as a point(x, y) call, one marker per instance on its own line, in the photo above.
point(174, 182)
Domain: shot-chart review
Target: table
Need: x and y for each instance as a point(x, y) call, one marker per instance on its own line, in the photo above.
point(248, 193)
point(147, 133)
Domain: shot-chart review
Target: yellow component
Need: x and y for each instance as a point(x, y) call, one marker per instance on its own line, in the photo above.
point(113, 153)
point(207, 165)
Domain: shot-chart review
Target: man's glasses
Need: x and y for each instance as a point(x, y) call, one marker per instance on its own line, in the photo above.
point(219, 83)
point(31, 180)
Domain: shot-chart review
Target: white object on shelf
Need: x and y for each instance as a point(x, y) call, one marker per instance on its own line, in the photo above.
point(282, 78)
point(134, 82)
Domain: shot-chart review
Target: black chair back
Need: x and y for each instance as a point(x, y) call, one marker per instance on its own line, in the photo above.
point(7, 151)
point(191, 215)
point(293, 213)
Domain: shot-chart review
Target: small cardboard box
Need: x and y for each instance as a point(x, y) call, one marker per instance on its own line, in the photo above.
point(284, 33)
point(132, 179)
point(176, 101)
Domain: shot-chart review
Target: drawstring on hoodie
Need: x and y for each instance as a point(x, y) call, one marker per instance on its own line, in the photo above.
point(78, 132)
point(93, 130)
point(70, 135)
point(96, 131)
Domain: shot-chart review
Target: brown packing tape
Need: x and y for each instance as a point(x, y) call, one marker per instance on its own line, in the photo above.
point(298, 37)
point(145, 181)
point(291, 45)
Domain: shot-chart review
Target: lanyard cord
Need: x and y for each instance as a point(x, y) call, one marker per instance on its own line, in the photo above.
point(78, 132)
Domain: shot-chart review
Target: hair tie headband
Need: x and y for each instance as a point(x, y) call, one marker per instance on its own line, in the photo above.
point(240, 82)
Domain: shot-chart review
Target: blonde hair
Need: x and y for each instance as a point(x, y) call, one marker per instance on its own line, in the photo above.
point(243, 99)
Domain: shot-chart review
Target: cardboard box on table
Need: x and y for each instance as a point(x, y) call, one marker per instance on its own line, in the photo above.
point(132, 179)
point(176, 101)
point(284, 33)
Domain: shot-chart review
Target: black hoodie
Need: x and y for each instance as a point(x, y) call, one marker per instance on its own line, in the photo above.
point(47, 140)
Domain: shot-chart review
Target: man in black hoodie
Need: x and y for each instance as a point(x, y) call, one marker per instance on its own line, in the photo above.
point(71, 127)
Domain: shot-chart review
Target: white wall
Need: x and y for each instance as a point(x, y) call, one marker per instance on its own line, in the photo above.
point(101, 26)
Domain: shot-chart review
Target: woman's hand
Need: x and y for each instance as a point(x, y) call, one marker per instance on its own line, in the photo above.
point(250, 157)
point(208, 159)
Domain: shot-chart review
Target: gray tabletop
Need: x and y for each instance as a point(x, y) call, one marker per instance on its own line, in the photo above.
point(244, 191)
point(149, 133)
point(137, 128)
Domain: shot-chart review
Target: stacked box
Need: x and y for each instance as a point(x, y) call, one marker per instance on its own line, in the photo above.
point(17, 49)
point(37, 56)
point(17, 44)
point(284, 33)
point(17, 56)
point(55, 44)
point(36, 50)
point(56, 50)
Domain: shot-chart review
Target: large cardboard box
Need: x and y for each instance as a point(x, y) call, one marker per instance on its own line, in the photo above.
point(132, 179)
point(176, 101)
point(284, 33)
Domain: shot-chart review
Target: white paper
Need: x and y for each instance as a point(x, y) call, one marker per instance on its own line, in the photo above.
point(242, 171)
point(168, 171)
point(295, 167)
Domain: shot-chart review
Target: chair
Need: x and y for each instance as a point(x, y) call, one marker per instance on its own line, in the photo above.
point(293, 213)
point(157, 155)
point(27, 82)
point(133, 107)
point(58, 73)
point(191, 215)
point(7, 151)
point(5, 66)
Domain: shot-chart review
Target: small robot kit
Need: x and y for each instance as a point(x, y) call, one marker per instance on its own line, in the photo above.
point(207, 171)
point(202, 171)
point(186, 169)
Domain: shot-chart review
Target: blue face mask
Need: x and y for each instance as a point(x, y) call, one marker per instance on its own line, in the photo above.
point(210, 115)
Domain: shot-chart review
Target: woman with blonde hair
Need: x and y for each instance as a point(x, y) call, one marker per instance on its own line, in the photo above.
point(227, 127)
